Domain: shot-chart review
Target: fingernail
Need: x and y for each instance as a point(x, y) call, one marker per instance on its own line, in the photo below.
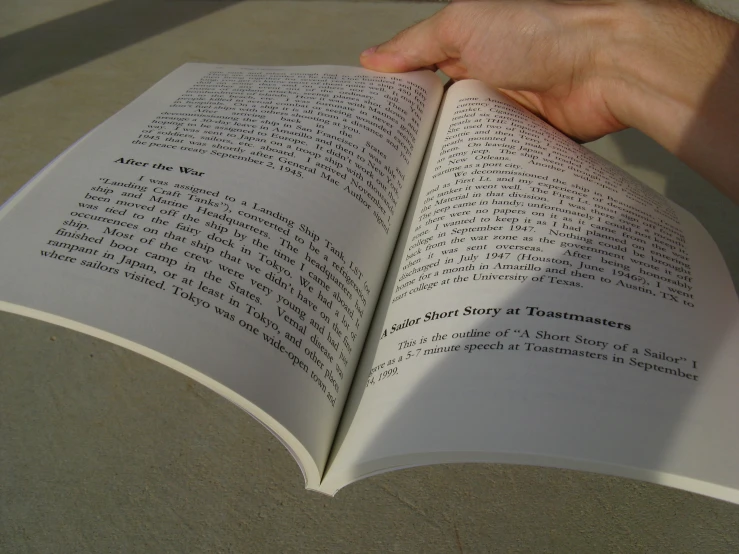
point(369, 51)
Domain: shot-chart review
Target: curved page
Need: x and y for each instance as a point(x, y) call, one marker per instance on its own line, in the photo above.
point(234, 223)
point(546, 309)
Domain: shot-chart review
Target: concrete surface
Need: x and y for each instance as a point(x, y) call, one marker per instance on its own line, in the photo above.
point(102, 450)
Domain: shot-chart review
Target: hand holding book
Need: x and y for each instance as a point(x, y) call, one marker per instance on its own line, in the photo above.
point(666, 68)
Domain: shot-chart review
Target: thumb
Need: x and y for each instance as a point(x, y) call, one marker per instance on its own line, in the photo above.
point(416, 47)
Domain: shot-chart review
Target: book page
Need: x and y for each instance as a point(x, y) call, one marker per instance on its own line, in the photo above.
point(234, 223)
point(547, 309)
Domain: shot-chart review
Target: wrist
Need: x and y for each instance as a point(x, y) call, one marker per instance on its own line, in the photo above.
point(661, 63)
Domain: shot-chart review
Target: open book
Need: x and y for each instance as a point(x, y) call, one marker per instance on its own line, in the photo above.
point(387, 275)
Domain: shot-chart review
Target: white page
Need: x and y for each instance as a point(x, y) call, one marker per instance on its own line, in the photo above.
point(234, 223)
point(646, 389)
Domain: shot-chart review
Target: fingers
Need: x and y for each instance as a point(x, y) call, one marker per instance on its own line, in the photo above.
point(422, 45)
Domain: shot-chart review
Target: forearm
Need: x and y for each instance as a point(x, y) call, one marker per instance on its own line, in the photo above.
point(678, 69)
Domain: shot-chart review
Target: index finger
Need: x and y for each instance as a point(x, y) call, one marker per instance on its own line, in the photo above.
point(424, 44)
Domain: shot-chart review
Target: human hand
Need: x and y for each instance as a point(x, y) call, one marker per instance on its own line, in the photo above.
point(551, 57)
point(592, 67)
point(579, 64)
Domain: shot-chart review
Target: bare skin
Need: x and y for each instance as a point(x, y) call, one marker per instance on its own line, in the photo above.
point(594, 67)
